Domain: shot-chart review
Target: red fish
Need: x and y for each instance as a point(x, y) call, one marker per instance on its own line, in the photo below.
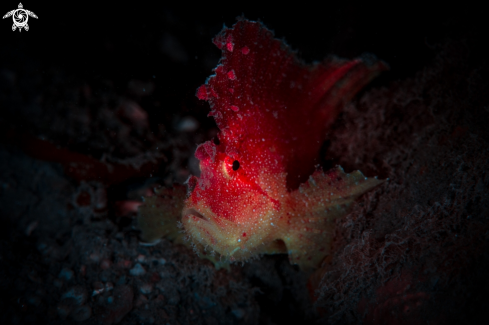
point(260, 190)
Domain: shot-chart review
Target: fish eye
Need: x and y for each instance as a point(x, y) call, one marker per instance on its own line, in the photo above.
point(235, 165)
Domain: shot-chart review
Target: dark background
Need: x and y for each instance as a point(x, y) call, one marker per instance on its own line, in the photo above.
point(121, 41)
point(170, 45)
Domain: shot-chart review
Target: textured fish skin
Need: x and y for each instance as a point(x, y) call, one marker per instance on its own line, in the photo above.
point(260, 190)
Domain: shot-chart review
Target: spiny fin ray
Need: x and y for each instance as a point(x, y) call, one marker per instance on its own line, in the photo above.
point(325, 197)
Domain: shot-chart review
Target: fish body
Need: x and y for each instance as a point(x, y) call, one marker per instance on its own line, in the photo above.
point(260, 190)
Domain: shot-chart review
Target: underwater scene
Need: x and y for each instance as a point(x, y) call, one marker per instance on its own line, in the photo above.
point(165, 163)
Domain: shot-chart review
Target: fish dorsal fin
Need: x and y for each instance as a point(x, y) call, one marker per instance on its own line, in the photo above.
point(261, 92)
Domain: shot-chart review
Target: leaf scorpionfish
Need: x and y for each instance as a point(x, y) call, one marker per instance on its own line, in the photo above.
point(261, 190)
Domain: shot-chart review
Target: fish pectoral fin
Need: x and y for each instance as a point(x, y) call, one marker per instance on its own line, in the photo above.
point(159, 215)
point(314, 208)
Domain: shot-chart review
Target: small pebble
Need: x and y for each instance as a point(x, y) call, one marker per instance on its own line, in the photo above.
point(105, 275)
point(142, 300)
point(63, 310)
point(146, 317)
point(65, 307)
point(124, 264)
point(146, 288)
point(98, 288)
point(30, 228)
point(94, 257)
point(109, 286)
point(34, 300)
point(160, 298)
point(238, 313)
point(78, 293)
point(137, 270)
point(122, 304)
point(83, 270)
point(155, 277)
point(105, 264)
point(141, 258)
point(66, 274)
point(122, 280)
point(81, 314)
point(43, 248)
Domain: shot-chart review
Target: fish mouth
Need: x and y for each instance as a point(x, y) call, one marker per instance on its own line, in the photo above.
point(195, 213)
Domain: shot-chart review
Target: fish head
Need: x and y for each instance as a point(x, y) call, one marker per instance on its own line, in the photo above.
point(240, 189)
